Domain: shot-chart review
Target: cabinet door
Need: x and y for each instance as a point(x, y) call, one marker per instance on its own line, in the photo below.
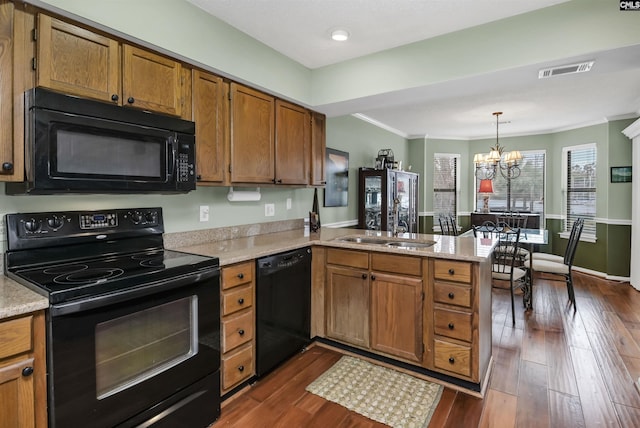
point(348, 305)
point(210, 113)
point(318, 146)
point(151, 82)
point(77, 61)
point(293, 141)
point(396, 316)
point(17, 404)
point(252, 136)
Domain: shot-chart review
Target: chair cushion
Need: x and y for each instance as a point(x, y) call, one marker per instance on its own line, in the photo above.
point(548, 266)
point(547, 256)
point(518, 273)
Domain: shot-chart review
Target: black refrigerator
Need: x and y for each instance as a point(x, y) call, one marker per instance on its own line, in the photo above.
point(378, 188)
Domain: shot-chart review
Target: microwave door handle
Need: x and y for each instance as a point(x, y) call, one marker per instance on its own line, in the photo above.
point(172, 157)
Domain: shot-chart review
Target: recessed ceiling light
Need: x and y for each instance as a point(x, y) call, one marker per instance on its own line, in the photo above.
point(339, 35)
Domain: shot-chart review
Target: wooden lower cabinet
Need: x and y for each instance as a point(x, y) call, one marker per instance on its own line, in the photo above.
point(429, 312)
point(238, 324)
point(22, 372)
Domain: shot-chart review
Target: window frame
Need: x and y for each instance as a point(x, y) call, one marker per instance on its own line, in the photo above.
point(566, 229)
point(457, 157)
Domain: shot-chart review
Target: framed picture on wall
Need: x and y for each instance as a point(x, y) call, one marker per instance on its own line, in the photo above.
point(336, 191)
point(621, 174)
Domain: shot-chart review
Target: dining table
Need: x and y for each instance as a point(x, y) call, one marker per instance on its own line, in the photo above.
point(531, 238)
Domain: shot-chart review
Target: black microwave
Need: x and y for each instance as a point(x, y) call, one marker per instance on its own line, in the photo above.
point(76, 145)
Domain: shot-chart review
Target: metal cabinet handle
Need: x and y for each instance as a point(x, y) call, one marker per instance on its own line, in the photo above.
point(131, 100)
point(241, 301)
point(364, 276)
point(27, 371)
point(451, 326)
point(114, 97)
point(241, 275)
point(7, 166)
point(452, 360)
point(241, 368)
point(373, 277)
point(452, 272)
point(451, 295)
point(241, 332)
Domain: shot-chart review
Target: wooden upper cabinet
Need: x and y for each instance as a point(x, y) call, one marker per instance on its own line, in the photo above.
point(318, 146)
point(293, 141)
point(77, 61)
point(252, 136)
point(151, 81)
point(16, 76)
point(81, 62)
point(211, 115)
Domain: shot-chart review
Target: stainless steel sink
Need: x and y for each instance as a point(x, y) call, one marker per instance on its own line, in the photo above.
point(364, 240)
point(409, 244)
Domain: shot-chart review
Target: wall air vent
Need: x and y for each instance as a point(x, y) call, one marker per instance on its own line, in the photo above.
point(565, 69)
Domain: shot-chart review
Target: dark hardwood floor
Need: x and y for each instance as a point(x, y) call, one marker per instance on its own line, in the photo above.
point(555, 368)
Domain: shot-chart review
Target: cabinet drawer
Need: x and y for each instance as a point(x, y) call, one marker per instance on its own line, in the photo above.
point(236, 331)
point(15, 336)
point(451, 294)
point(450, 270)
point(356, 259)
point(452, 357)
point(404, 265)
point(234, 275)
point(452, 324)
point(237, 367)
point(236, 300)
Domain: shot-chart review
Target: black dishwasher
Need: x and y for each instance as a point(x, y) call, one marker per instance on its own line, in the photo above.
point(283, 308)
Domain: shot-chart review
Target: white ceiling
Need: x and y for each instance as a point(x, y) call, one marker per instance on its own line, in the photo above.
point(300, 30)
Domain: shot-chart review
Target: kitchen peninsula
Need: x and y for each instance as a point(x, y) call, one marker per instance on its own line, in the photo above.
point(422, 302)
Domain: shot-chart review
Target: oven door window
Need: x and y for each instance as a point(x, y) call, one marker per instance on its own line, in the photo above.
point(136, 347)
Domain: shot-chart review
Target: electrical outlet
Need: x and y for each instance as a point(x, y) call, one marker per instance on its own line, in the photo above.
point(269, 210)
point(204, 213)
point(288, 203)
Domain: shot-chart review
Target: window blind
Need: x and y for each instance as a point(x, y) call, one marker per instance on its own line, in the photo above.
point(581, 188)
point(445, 187)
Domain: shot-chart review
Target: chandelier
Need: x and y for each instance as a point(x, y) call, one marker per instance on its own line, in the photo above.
point(487, 165)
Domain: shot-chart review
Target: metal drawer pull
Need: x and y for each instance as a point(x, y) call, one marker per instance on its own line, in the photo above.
point(241, 332)
point(452, 360)
point(241, 301)
point(451, 295)
point(241, 368)
point(27, 371)
point(241, 275)
point(451, 326)
point(364, 276)
point(452, 272)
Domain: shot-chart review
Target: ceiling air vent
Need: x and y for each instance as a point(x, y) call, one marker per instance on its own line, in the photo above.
point(565, 69)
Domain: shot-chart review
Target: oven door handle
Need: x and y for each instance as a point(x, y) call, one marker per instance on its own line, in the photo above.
point(132, 293)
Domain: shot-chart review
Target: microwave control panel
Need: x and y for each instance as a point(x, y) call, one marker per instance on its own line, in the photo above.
point(185, 163)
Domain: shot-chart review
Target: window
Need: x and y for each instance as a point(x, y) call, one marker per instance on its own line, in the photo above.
point(527, 190)
point(445, 184)
point(580, 191)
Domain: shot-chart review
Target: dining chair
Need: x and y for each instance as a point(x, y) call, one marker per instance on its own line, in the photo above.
point(453, 225)
point(559, 265)
point(448, 225)
point(504, 263)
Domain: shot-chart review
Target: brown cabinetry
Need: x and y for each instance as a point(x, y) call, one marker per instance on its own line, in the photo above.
point(293, 143)
point(15, 78)
point(238, 321)
point(375, 301)
point(211, 115)
point(83, 62)
point(318, 147)
point(22, 372)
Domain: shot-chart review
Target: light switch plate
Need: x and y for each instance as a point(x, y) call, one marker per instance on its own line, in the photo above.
point(269, 210)
point(204, 213)
point(288, 203)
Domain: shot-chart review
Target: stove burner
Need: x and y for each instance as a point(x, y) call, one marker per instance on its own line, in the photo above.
point(59, 270)
point(88, 276)
point(157, 261)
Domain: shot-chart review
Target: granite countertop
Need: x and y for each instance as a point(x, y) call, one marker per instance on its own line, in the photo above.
point(248, 248)
point(16, 299)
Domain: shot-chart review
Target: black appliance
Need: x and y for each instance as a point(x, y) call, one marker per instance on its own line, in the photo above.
point(283, 308)
point(76, 145)
point(133, 329)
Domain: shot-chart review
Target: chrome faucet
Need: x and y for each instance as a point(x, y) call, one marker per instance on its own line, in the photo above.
point(396, 218)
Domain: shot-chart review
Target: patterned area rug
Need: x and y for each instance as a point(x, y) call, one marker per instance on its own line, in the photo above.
point(384, 395)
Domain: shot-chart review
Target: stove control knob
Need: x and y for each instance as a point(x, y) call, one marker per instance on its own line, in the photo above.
point(55, 222)
point(151, 217)
point(136, 217)
point(32, 225)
